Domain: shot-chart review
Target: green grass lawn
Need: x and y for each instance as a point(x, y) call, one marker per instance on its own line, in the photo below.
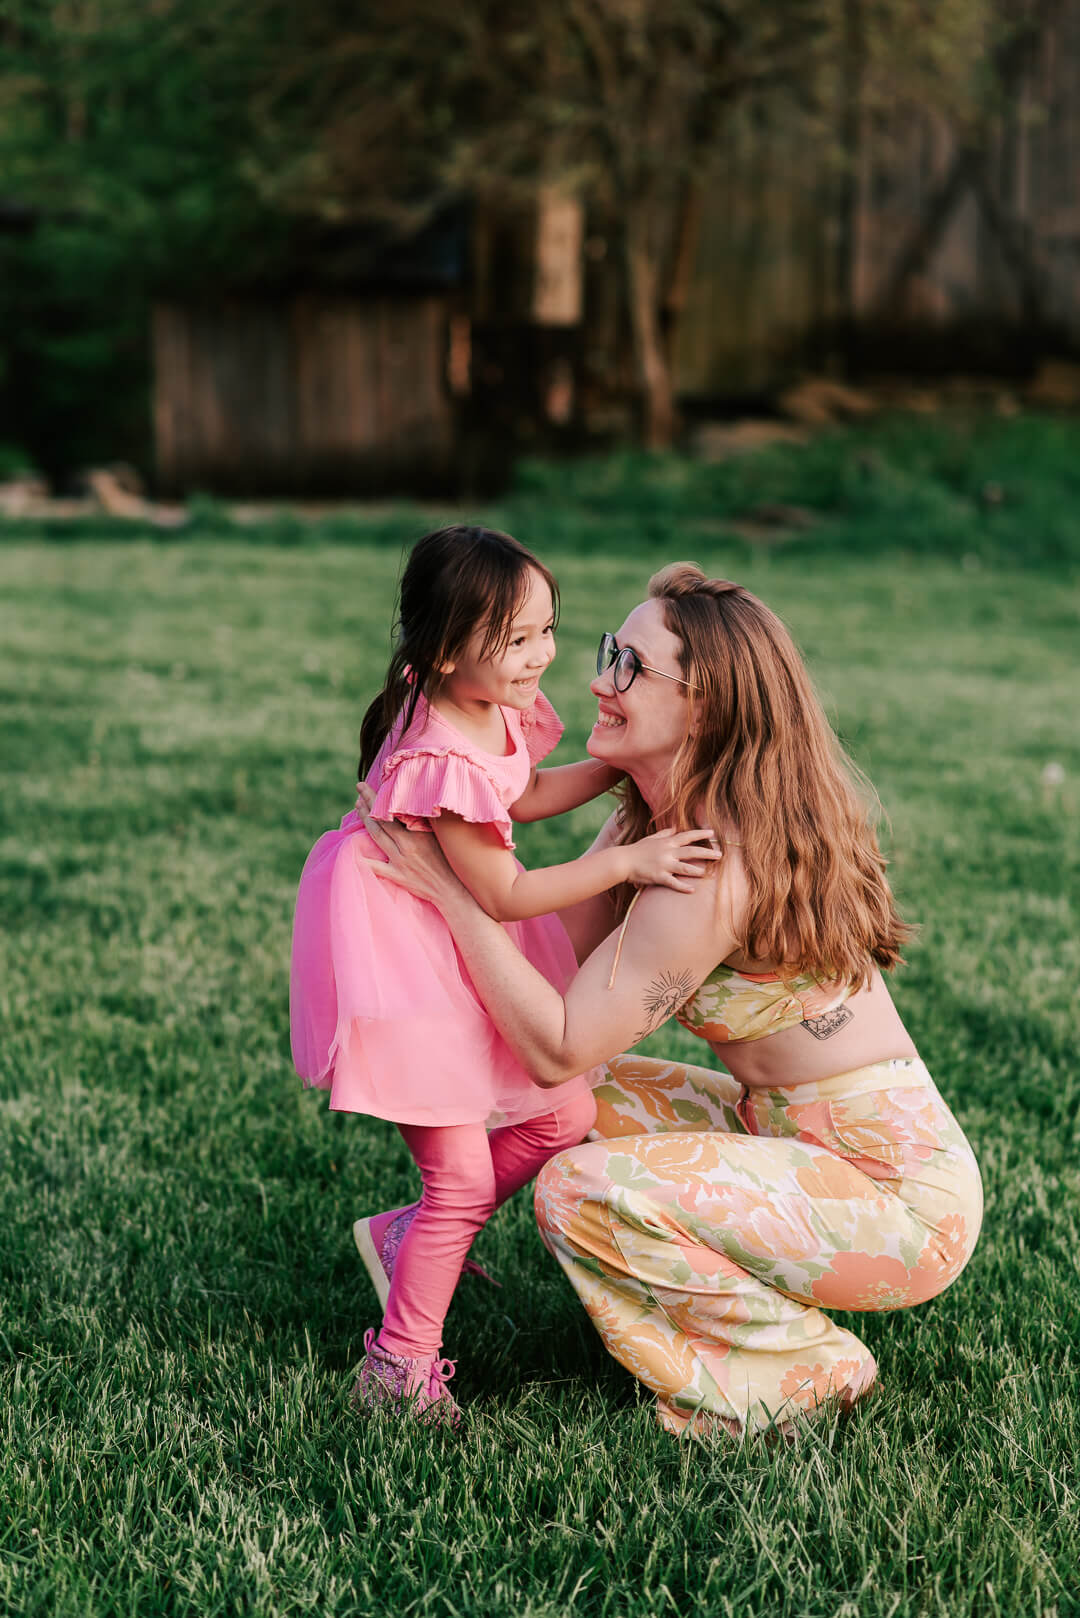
point(181, 1307)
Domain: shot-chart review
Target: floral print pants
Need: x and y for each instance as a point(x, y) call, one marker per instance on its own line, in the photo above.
point(709, 1226)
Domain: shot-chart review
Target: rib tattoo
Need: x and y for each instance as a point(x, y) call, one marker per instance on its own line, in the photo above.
point(829, 1023)
point(664, 996)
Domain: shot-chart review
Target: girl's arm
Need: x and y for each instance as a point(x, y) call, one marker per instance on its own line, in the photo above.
point(566, 786)
point(672, 941)
point(486, 866)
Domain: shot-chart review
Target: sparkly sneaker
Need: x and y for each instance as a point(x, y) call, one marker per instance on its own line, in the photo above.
point(406, 1385)
point(379, 1252)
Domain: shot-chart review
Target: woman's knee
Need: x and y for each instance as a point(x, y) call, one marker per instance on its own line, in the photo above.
point(568, 1179)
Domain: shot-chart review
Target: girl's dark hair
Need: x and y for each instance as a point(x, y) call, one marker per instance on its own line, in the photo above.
point(457, 580)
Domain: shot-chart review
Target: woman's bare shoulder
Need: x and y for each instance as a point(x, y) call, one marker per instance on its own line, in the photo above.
point(712, 911)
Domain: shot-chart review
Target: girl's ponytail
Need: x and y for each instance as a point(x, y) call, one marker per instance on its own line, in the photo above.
point(402, 691)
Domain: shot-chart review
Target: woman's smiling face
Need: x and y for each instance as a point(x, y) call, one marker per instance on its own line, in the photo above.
point(640, 730)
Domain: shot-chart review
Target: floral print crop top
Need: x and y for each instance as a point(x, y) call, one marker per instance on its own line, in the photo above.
point(733, 1005)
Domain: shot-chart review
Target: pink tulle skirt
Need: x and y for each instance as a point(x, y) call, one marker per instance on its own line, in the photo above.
point(382, 1009)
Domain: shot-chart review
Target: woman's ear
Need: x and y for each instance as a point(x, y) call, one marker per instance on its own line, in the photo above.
point(693, 721)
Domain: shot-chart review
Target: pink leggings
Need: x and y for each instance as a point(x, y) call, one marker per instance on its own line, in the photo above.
point(466, 1175)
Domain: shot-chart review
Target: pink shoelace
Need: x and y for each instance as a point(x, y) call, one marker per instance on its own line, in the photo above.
point(407, 1381)
point(439, 1375)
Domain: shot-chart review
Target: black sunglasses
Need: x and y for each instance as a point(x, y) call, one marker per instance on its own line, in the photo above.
point(626, 665)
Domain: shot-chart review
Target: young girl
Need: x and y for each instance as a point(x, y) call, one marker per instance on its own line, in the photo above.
point(382, 1009)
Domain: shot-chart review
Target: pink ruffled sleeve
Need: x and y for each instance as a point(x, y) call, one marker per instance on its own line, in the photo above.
point(419, 785)
point(541, 727)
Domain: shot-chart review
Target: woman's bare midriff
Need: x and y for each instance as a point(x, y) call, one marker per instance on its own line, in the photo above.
point(872, 1032)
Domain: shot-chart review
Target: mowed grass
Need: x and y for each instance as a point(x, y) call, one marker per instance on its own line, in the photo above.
point(181, 1308)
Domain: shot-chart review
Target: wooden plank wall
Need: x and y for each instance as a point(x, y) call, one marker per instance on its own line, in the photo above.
point(761, 280)
point(766, 283)
point(313, 394)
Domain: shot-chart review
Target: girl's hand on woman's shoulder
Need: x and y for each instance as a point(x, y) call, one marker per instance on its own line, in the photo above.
point(641, 973)
point(671, 859)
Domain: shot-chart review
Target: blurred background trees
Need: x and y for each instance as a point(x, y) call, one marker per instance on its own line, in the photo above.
point(125, 129)
point(185, 148)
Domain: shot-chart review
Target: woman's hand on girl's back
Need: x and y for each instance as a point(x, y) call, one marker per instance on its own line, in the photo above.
point(671, 859)
point(414, 859)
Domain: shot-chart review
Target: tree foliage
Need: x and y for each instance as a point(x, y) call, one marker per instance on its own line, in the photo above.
point(184, 144)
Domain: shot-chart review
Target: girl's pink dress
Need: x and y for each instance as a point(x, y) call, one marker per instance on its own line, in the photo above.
point(382, 1009)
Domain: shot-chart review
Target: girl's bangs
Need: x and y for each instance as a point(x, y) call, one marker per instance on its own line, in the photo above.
point(507, 598)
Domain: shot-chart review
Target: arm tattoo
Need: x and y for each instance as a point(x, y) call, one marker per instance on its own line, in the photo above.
point(664, 995)
point(829, 1023)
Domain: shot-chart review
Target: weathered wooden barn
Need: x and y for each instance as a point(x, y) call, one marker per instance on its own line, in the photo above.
point(907, 246)
point(917, 248)
point(334, 380)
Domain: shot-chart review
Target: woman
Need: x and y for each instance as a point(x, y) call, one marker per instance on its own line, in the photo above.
point(718, 1213)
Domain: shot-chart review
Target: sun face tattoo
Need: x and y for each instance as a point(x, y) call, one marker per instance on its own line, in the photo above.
point(829, 1023)
point(664, 996)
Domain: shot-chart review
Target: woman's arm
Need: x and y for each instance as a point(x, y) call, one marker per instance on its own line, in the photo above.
point(492, 875)
point(672, 942)
point(566, 786)
point(590, 921)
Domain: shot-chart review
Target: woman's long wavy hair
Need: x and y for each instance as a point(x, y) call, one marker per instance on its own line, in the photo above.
point(761, 757)
point(457, 580)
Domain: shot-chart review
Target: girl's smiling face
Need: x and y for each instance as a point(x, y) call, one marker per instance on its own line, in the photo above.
point(510, 677)
point(640, 730)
